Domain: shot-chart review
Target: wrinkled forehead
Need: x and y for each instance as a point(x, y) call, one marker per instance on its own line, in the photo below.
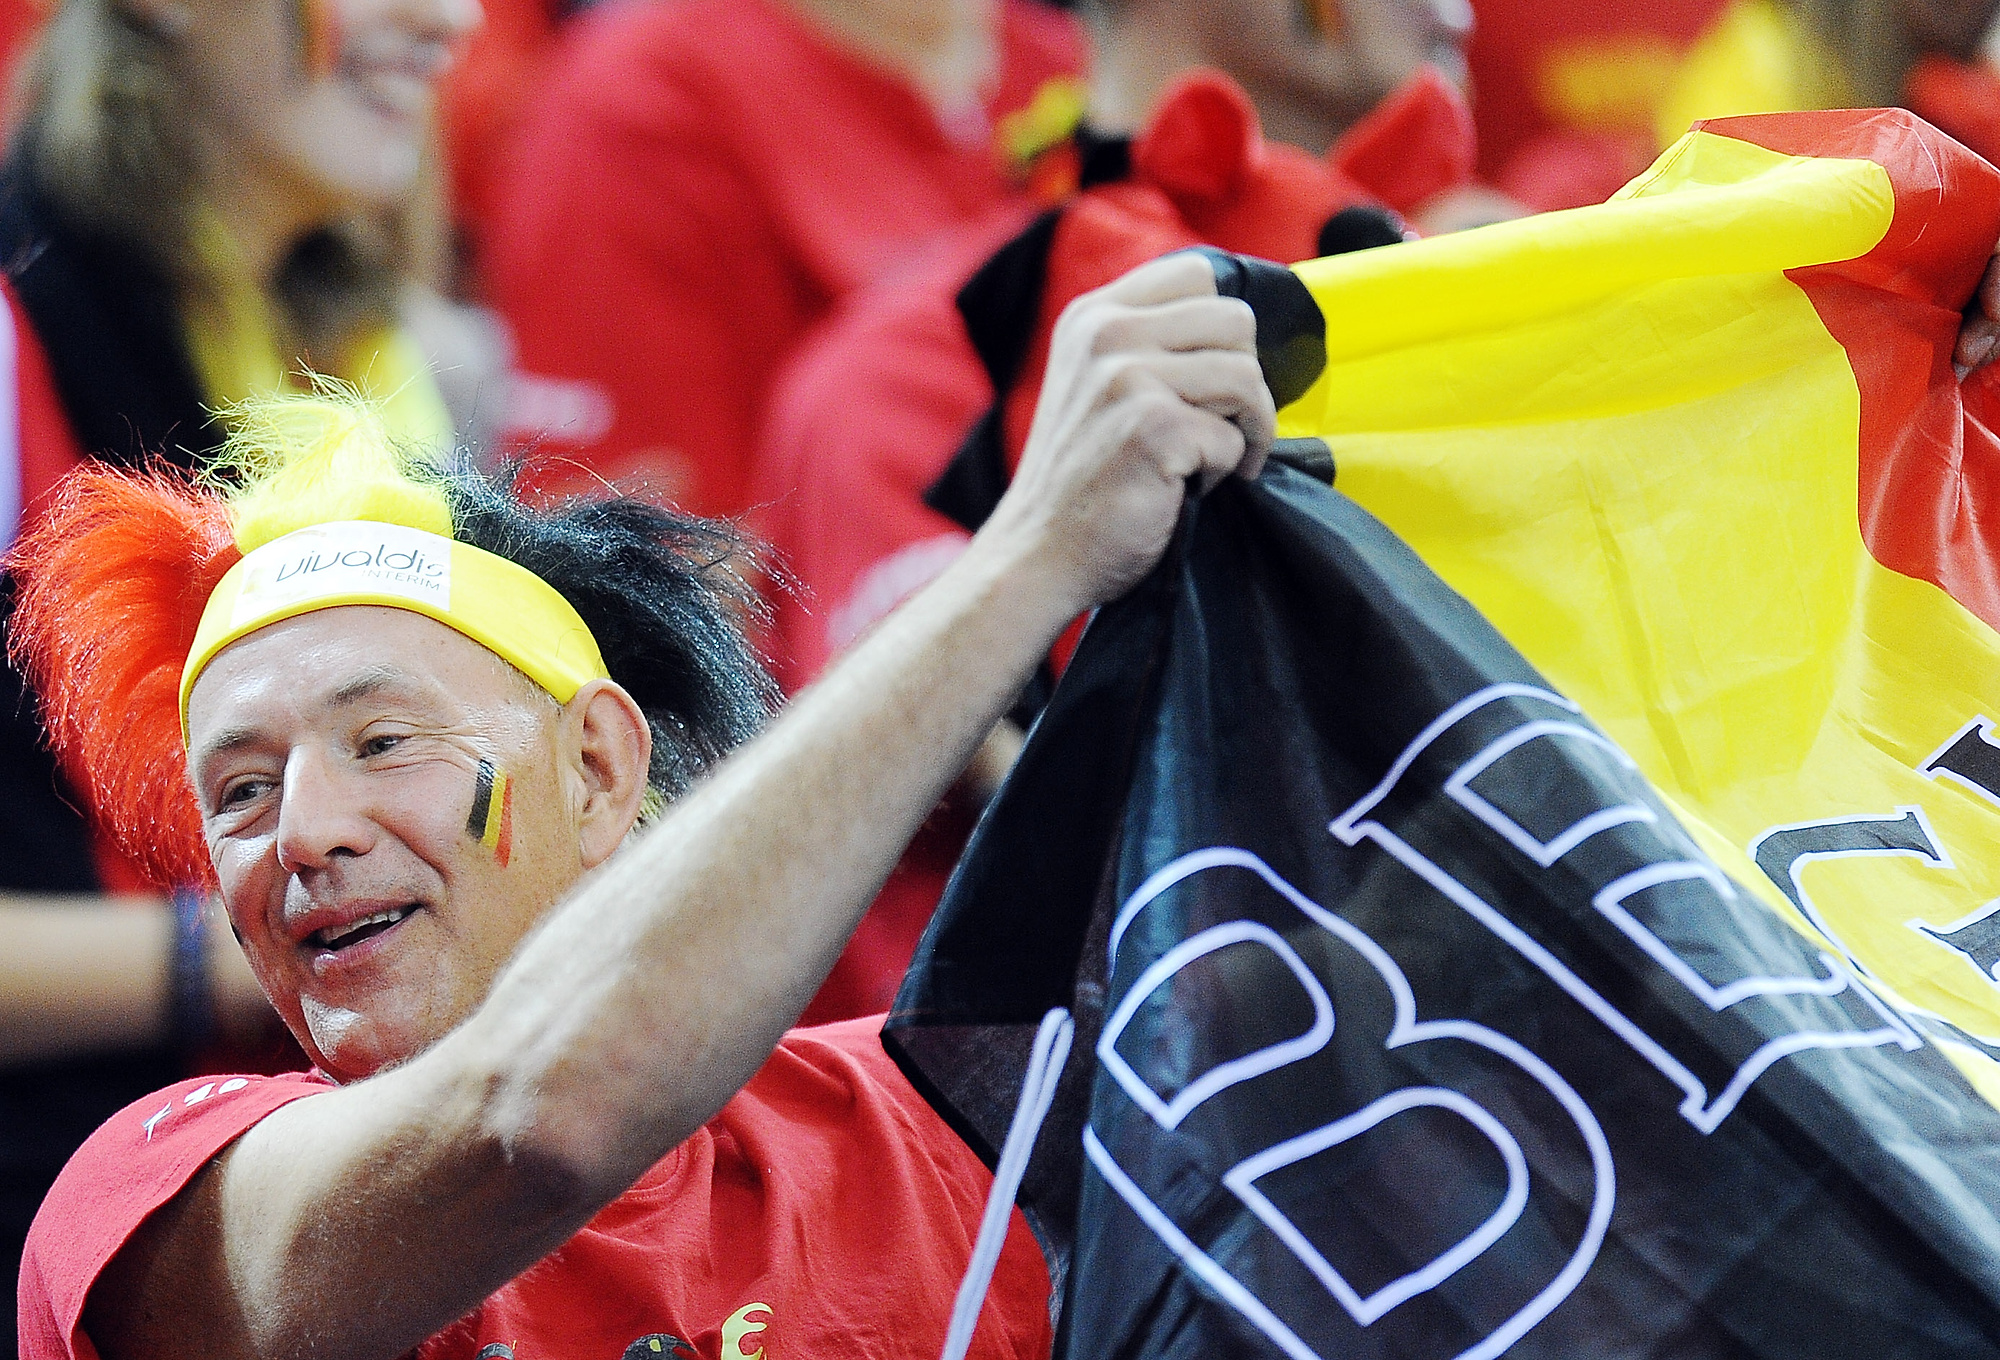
point(316, 669)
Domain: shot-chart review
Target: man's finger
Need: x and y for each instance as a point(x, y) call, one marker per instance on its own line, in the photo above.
point(1220, 421)
point(1220, 445)
point(1227, 383)
point(1173, 276)
point(1182, 325)
point(1181, 441)
point(1254, 456)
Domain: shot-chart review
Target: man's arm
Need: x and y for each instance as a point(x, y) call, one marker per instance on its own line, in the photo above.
point(357, 1223)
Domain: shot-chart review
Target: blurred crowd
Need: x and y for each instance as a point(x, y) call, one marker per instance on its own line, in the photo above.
point(792, 262)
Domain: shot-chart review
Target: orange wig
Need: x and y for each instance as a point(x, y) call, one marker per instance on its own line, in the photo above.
point(110, 587)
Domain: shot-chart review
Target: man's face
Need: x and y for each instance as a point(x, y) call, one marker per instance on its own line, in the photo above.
point(337, 758)
point(1315, 66)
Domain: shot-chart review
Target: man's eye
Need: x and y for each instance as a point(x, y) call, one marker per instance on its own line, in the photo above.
point(380, 745)
point(242, 791)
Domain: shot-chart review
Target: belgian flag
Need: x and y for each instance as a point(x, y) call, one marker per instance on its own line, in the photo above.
point(1540, 896)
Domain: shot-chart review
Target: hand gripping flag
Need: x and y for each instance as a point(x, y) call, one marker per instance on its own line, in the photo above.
point(1536, 902)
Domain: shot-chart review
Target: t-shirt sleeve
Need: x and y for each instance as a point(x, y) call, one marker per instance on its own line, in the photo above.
point(136, 1161)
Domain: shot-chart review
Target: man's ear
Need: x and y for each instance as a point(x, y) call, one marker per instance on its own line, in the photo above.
point(615, 749)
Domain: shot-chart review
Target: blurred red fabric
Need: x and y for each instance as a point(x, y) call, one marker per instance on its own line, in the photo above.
point(695, 186)
point(1563, 91)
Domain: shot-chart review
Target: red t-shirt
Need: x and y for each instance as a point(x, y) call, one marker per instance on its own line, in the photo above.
point(697, 184)
point(826, 1211)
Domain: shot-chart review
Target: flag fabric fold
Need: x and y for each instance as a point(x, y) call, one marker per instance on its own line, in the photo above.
point(1701, 456)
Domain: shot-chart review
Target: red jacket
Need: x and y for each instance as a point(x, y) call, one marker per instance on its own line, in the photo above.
point(698, 185)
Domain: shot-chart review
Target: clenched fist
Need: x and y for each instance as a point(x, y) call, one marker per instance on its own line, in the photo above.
point(1152, 380)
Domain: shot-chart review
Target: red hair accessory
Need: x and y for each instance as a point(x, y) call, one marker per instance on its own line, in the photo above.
point(1203, 173)
point(110, 587)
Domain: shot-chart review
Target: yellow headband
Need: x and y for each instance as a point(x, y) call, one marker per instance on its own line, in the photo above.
point(501, 605)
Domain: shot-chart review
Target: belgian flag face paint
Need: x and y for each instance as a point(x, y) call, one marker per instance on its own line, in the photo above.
point(492, 819)
point(1322, 18)
point(318, 35)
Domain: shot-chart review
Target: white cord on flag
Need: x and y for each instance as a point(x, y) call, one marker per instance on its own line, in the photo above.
point(1038, 1093)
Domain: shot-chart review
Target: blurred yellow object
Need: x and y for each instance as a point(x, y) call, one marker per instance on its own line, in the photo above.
point(1756, 58)
point(237, 357)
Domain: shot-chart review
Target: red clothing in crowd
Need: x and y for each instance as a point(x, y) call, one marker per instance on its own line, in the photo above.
point(1565, 91)
point(874, 406)
point(869, 412)
point(481, 99)
point(862, 423)
point(697, 185)
point(827, 1210)
point(46, 449)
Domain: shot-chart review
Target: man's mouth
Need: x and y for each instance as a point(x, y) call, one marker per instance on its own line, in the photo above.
point(345, 936)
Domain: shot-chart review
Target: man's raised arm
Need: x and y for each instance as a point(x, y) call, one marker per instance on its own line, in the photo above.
point(357, 1223)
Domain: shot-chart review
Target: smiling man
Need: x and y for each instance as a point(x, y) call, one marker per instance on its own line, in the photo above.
point(442, 754)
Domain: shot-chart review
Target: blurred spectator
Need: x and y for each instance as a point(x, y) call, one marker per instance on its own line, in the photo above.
point(201, 196)
point(1575, 99)
point(872, 409)
point(1764, 56)
point(1567, 93)
point(699, 182)
point(1313, 68)
point(201, 199)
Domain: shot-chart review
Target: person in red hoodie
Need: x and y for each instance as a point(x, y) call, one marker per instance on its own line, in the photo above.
point(698, 183)
point(869, 414)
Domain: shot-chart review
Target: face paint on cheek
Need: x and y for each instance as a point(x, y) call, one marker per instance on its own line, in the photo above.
point(1322, 18)
point(492, 819)
point(319, 36)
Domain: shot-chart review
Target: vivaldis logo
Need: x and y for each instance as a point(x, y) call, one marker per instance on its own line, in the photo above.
point(410, 561)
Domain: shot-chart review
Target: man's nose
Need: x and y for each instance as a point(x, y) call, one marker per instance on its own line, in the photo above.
point(320, 814)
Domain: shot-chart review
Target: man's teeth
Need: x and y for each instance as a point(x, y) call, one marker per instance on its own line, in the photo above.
point(334, 936)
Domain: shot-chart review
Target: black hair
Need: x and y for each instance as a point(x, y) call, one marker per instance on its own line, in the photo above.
point(667, 596)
